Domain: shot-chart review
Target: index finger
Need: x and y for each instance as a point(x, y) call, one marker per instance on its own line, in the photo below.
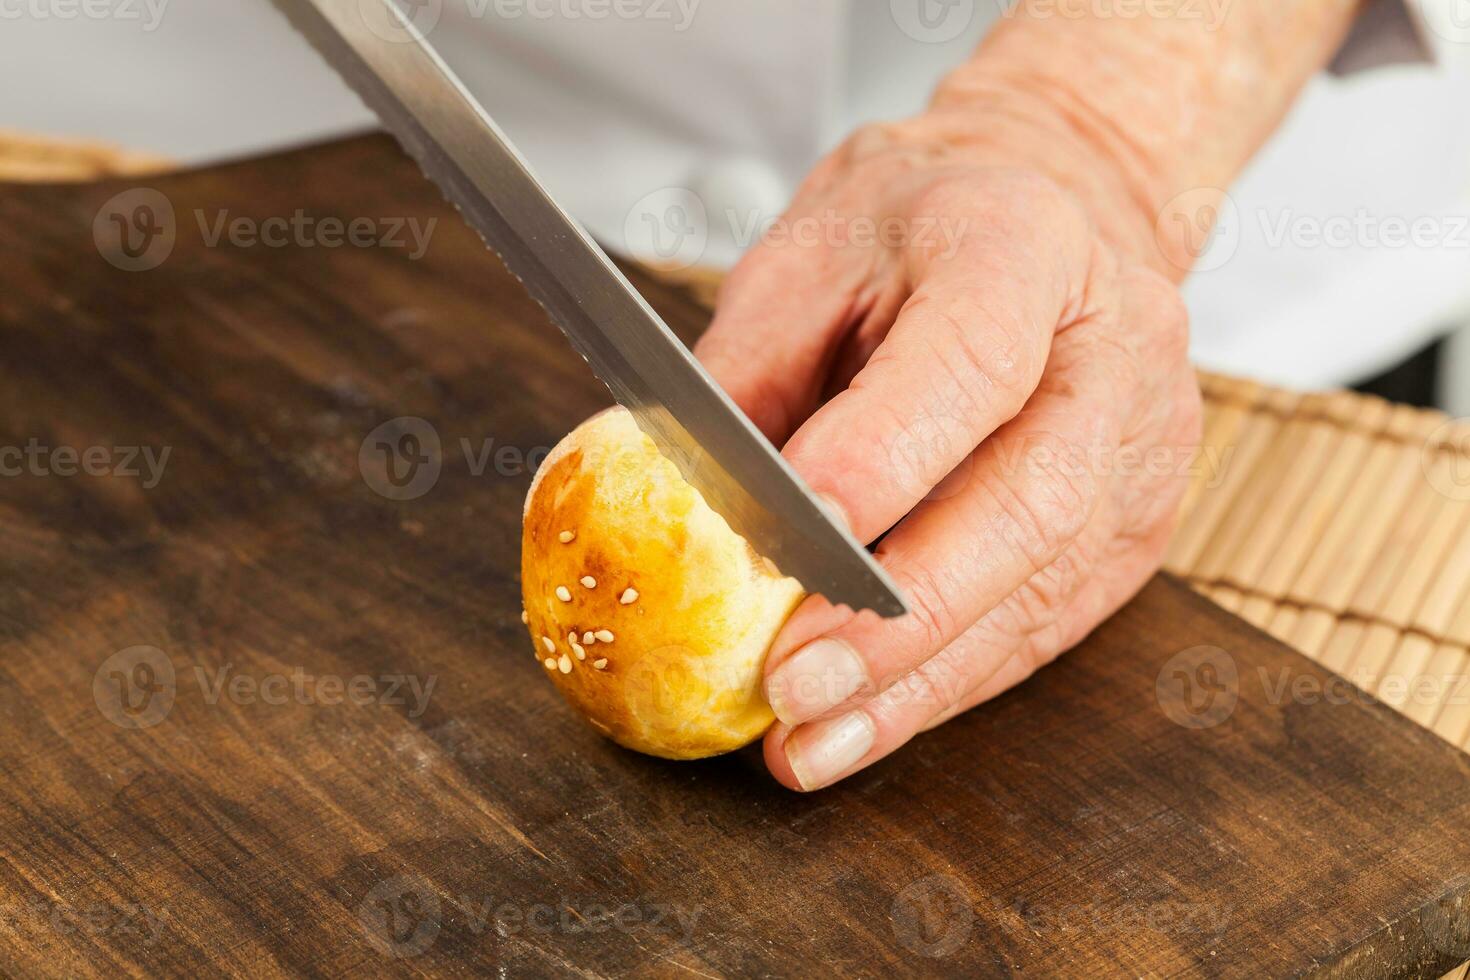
point(965, 353)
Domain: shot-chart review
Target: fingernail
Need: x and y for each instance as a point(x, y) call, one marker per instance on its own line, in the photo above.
point(824, 750)
point(814, 679)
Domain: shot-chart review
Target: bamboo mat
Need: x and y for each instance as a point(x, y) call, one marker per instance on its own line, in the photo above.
point(1340, 524)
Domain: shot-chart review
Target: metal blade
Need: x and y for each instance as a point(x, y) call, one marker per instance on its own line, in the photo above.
point(440, 124)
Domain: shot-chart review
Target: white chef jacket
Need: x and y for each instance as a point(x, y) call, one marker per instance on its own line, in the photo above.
point(674, 132)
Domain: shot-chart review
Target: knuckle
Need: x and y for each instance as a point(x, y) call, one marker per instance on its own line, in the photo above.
point(932, 619)
point(933, 685)
point(1167, 314)
point(1040, 600)
point(992, 352)
point(1054, 504)
point(1008, 368)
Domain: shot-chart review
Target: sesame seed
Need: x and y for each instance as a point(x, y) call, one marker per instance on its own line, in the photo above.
point(567, 537)
point(600, 664)
point(563, 593)
point(628, 597)
point(605, 636)
point(549, 663)
point(580, 651)
point(589, 638)
point(588, 582)
point(525, 616)
point(564, 664)
point(549, 644)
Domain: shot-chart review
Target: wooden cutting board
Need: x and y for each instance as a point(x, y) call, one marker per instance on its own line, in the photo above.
point(260, 717)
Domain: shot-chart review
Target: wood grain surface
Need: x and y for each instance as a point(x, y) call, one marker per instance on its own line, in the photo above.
point(262, 718)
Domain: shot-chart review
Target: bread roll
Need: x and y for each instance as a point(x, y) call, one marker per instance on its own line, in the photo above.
point(645, 609)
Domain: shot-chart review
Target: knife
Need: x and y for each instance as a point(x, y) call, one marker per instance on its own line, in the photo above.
point(398, 74)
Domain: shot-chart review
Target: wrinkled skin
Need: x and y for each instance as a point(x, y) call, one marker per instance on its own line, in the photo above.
point(1002, 382)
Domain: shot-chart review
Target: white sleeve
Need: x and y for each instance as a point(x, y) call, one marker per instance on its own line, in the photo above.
point(1398, 32)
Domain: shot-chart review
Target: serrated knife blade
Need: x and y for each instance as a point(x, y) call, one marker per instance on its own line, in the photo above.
point(380, 52)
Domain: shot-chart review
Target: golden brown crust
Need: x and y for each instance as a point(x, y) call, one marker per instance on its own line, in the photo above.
point(683, 666)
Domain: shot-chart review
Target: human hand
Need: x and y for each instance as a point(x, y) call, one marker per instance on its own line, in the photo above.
point(952, 344)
